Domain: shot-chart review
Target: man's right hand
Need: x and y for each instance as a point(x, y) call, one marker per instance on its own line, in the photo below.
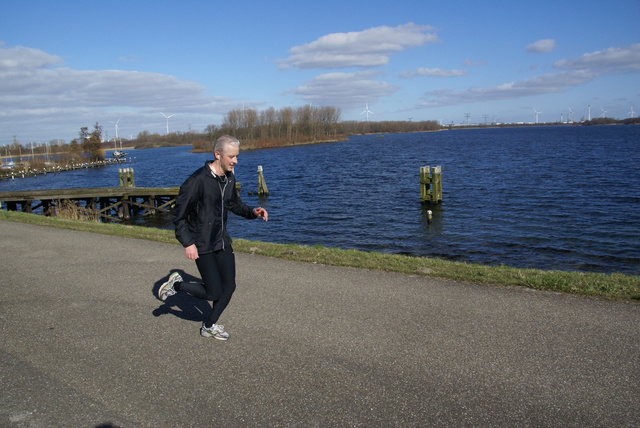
point(191, 252)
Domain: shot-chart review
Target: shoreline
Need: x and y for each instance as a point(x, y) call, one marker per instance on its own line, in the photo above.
point(616, 286)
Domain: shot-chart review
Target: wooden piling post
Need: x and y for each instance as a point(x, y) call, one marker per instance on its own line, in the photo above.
point(436, 183)
point(131, 178)
point(152, 202)
point(120, 208)
point(431, 184)
point(126, 207)
point(262, 185)
point(425, 183)
point(93, 207)
point(126, 177)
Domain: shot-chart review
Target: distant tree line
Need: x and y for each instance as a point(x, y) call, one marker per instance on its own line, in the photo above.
point(387, 127)
point(291, 124)
point(592, 122)
point(611, 121)
point(280, 127)
point(308, 124)
point(257, 129)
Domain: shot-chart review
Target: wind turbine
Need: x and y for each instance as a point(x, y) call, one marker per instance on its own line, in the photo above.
point(537, 113)
point(116, 124)
point(167, 118)
point(367, 111)
point(604, 112)
point(632, 113)
point(570, 119)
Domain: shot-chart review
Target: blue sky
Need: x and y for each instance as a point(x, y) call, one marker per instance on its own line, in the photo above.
point(69, 64)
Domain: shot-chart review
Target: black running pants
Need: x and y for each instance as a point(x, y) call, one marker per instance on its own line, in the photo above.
point(218, 273)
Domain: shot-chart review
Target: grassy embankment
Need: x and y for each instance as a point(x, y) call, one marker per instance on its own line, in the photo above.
point(613, 286)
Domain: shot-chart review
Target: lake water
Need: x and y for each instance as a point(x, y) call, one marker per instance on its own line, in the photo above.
point(563, 198)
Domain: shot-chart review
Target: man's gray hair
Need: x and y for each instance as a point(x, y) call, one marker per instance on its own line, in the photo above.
point(224, 141)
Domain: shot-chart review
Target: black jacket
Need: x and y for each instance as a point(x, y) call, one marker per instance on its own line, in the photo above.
point(200, 212)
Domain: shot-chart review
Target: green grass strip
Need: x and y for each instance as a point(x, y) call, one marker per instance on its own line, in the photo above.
point(609, 286)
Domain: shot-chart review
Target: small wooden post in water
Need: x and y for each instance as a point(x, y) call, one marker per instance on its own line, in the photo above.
point(126, 177)
point(262, 185)
point(431, 184)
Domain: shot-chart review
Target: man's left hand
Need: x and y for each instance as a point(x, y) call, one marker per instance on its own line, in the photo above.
point(261, 212)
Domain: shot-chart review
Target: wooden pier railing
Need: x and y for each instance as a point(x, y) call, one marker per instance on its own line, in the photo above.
point(102, 203)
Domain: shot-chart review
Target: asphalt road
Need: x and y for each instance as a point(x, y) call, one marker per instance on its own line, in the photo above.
point(86, 343)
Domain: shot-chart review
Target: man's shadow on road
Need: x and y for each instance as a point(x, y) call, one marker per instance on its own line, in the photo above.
point(181, 305)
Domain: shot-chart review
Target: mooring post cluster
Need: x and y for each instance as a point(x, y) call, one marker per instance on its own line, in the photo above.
point(431, 184)
point(126, 177)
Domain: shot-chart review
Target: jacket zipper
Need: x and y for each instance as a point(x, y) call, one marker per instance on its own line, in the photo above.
point(222, 189)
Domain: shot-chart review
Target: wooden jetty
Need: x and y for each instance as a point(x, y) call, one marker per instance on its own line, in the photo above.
point(101, 203)
point(12, 174)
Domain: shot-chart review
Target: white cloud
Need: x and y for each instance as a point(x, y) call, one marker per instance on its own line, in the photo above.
point(433, 72)
point(362, 49)
point(20, 58)
point(541, 46)
point(344, 90)
point(40, 97)
point(613, 59)
point(543, 84)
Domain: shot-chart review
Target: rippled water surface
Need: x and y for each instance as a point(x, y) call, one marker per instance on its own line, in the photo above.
point(554, 197)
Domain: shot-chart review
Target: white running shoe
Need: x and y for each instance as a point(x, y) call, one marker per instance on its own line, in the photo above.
point(216, 331)
point(167, 289)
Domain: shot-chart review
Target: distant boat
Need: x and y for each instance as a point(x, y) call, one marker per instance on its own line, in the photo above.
point(118, 153)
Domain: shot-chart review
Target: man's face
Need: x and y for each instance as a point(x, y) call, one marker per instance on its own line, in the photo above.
point(229, 158)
